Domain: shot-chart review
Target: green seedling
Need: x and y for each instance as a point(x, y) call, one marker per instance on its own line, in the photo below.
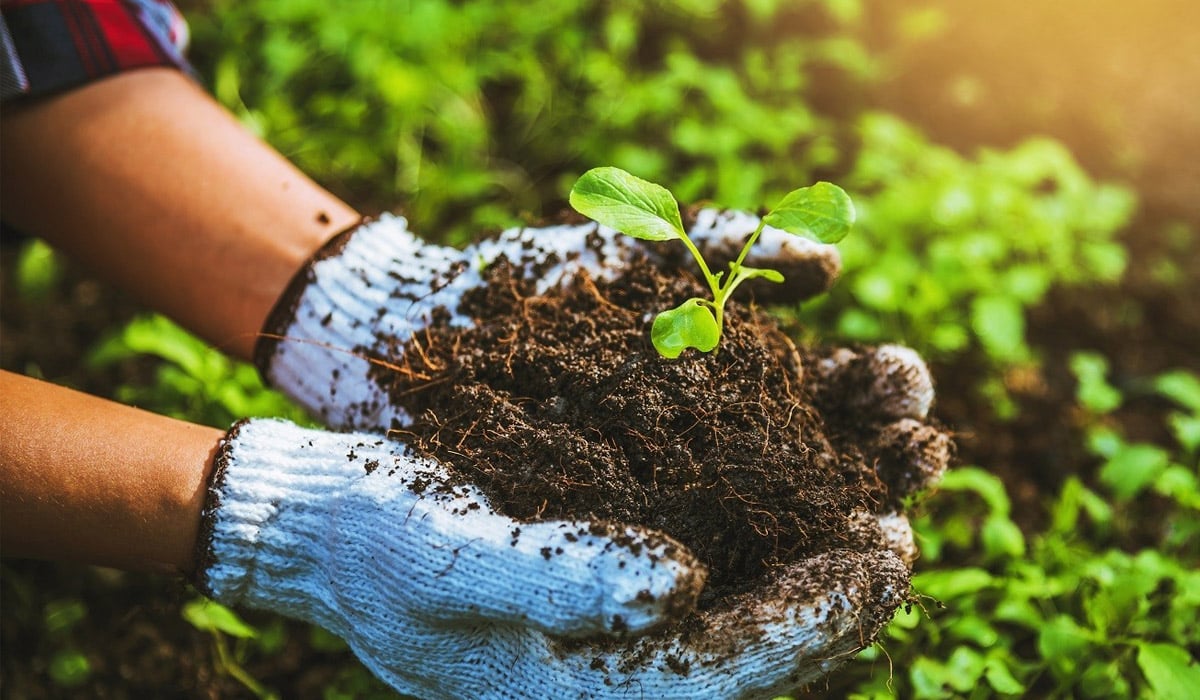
point(642, 209)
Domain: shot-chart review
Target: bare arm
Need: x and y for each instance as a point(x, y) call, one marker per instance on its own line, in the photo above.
point(154, 186)
point(84, 479)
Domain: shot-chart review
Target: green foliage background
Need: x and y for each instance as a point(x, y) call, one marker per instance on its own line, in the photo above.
point(470, 115)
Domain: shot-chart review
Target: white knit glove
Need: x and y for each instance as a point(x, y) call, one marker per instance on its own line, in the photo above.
point(434, 591)
point(442, 598)
point(380, 282)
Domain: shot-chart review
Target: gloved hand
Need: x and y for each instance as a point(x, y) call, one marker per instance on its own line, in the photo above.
point(442, 598)
point(435, 592)
point(379, 282)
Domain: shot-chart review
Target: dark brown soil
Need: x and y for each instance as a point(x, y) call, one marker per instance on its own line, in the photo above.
point(558, 406)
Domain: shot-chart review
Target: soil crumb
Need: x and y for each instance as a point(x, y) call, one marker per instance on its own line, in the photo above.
point(558, 406)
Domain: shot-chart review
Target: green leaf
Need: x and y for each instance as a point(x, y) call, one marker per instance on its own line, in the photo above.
point(1186, 430)
point(748, 273)
point(1002, 538)
point(952, 583)
point(965, 666)
point(70, 668)
point(1093, 390)
point(689, 325)
point(1170, 670)
point(1102, 679)
point(973, 629)
point(822, 212)
point(37, 271)
point(1181, 484)
point(929, 678)
point(1180, 386)
point(213, 617)
point(999, 322)
point(62, 615)
point(1018, 610)
point(1064, 644)
point(1001, 678)
point(1133, 468)
point(628, 204)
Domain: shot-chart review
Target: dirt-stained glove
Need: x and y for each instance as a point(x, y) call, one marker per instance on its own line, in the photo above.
point(818, 612)
point(378, 284)
point(442, 598)
point(434, 591)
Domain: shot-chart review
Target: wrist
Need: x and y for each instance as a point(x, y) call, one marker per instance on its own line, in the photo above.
point(87, 480)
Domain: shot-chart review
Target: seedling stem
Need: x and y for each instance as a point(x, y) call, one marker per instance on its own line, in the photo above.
point(648, 211)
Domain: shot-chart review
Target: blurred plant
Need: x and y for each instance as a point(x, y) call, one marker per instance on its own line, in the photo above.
point(469, 114)
point(1102, 603)
point(38, 270)
point(194, 382)
point(476, 119)
point(951, 252)
point(223, 624)
point(69, 666)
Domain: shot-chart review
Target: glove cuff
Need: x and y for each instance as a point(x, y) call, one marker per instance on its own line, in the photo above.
point(370, 285)
point(264, 528)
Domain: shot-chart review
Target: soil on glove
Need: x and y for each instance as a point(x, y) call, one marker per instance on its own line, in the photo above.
point(558, 406)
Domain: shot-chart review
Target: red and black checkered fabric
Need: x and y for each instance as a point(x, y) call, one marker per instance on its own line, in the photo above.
point(53, 45)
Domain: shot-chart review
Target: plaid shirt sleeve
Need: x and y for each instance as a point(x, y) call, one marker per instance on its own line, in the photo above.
point(48, 46)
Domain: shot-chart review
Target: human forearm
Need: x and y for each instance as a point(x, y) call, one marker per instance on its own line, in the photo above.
point(88, 480)
point(147, 180)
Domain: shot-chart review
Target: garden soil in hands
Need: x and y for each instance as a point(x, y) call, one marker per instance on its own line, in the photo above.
point(558, 407)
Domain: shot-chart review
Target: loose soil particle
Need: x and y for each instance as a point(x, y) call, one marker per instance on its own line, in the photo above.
point(557, 406)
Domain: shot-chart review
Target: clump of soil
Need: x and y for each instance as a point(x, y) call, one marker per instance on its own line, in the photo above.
point(558, 406)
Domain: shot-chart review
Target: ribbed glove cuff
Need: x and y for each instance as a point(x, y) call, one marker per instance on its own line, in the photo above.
point(368, 284)
point(268, 473)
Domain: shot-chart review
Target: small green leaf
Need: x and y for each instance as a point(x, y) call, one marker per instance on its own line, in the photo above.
point(748, 273)
point(983, 483)
point(1186, 430)
point(1001, 678)
point(62, 615)
point(965, 666)
point(1064, 644)
point(823, 212)
point(1002, 538)
point(627, 203)
point(973, 629)
point(929, 678)
point(70, 668)
point(214, 617)
point(1134, 467)
point(1170, 670)
point(953, 583)
point(999, 323)
point(689, 325)
point(1093, 389)
point(1180, 386)
point(38, 269)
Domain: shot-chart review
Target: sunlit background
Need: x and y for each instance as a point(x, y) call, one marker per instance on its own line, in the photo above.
point(1028, 182)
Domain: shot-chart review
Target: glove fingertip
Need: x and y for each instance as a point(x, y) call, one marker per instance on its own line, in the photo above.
point(608, 578)
point(912, 456)
point(885, 383)
point(903, 382)
point(655, 579)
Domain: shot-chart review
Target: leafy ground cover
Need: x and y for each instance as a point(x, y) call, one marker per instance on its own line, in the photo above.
point(1023, 222)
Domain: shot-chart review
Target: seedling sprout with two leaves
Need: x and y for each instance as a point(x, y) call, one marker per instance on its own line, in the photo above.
point(642, 209)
